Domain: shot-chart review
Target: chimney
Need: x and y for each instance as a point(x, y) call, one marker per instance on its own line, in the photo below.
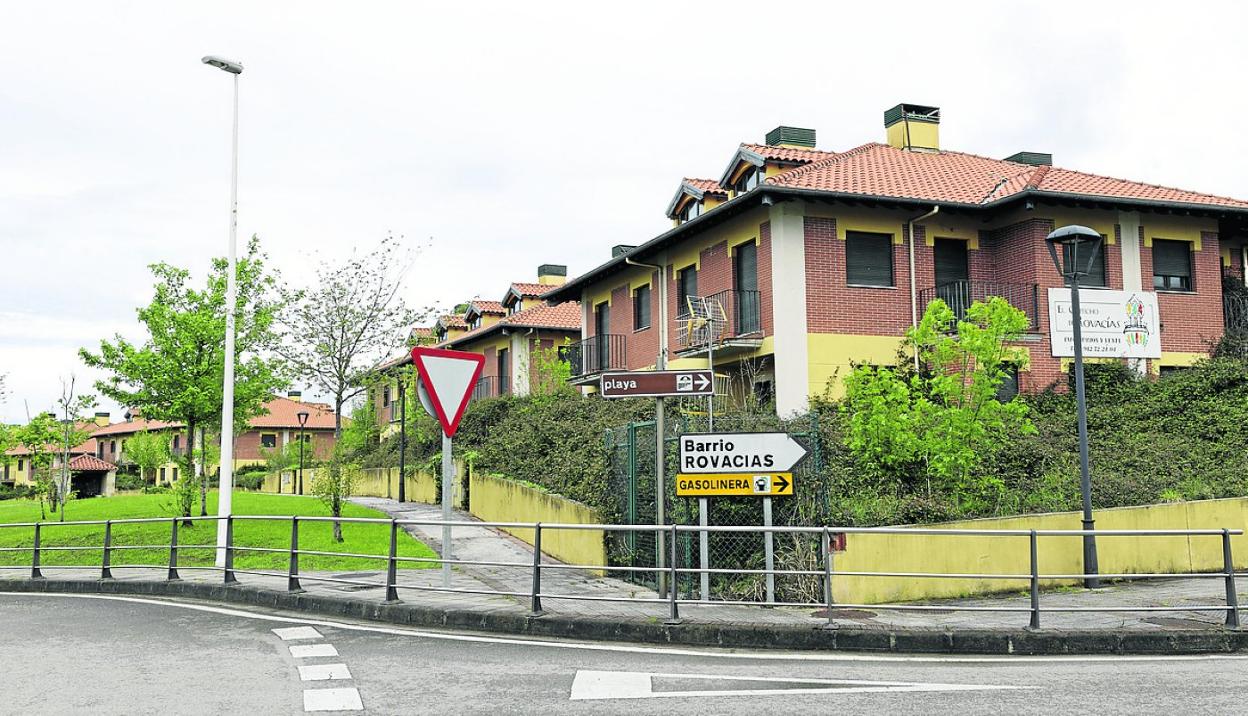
point(552, 274)
point(295, 395)
point(620, 249)
point(102, 419)
point(1036, 159)
point(913, 127)
point(783, 136)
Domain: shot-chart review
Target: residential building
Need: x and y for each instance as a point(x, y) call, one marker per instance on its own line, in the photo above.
point(89, 475)
point(819, 260)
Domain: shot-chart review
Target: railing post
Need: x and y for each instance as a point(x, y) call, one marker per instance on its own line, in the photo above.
point(292, 573)
point(1232, 599)
point(536, 606)
point(106, 571)
point(1035, 583)
point(827, 577)
point(673, 586)
point(173, 552)
point(229, 551)
point(35, 573)
point(392, 565)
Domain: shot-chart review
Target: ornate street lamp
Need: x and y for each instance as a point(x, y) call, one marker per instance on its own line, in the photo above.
point(303, 421)
point(1080, 247)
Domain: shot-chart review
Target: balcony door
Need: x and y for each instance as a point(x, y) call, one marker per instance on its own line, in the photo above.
point(745, 283)
point(597, 359)
point(504, 371)
point(953, 275)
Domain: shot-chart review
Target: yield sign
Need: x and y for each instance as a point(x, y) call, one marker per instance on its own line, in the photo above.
point(448, 377)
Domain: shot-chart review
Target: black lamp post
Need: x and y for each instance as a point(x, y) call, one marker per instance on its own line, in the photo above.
point(303, 422)
point(1080, 247)
point(402, 436)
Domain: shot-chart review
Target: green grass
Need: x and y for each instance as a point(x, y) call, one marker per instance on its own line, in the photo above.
point(275, 534)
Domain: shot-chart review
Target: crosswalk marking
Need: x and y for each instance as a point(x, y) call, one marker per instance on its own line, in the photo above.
point(323, 672)
point(332, 700)
point(309, 651)
point(300, 632)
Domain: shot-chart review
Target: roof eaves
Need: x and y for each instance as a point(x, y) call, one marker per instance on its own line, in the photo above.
point(742, 154)
point(683, 189)
point(1123, 201)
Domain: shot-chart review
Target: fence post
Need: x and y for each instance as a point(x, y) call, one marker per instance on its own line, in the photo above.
point(1232, 599)
point(106, 571)
point(827, 576)
point(674, 586)
point(292, 574)
point(229, 551)
point(536, 607)
point(392, 565)
point(35, 573)
point(173, 551)
point(1035, 583)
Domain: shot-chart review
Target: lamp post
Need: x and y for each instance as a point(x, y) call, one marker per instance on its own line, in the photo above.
point(226, 489)
point(402, 436)
point(1076, 242)
point(303, 422)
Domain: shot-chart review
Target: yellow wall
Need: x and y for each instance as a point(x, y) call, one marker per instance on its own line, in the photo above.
point(959, 554)
point(496, 499)
point(923, 135)
point(830, 356)
point(378, 482)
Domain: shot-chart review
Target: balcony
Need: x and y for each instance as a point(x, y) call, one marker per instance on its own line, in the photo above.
point(1235, 312)
point(959, 295)
point(594, 355)
point(737, 327)
point(492, 386)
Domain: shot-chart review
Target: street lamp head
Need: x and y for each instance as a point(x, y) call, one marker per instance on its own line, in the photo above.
point(303, 418)
point(1079, 245)
point(231, 66)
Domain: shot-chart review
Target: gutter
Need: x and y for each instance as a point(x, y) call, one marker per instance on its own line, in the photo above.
point(661, 360)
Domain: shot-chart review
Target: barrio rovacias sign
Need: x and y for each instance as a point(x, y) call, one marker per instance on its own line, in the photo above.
point(1116, 324)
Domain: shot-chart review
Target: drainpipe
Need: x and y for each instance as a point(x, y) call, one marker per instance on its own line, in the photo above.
point(661, 361)
point(914, 291)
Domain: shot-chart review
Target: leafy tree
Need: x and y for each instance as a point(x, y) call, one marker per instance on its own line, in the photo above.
point(39, 436)
point(71, 407)
point(176, 374)
point(936, 424)
point(148, 451)
point(334, 484)
point(549, 374)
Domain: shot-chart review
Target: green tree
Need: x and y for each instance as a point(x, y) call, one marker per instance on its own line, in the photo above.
point(334, 484)
point(39, 436)
point(148, 451)
point(937, 423)
point(176, 374)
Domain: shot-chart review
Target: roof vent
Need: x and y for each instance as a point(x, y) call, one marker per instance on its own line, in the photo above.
point(914, 127)
point(620, 249)
point(1036, 159)
point(783, 136)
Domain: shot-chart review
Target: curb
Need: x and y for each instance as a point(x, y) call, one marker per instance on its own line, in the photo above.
point(1022, 642)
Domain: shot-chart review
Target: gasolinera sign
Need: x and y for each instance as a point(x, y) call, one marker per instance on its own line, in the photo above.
point(1115, 324)
point(757, 464)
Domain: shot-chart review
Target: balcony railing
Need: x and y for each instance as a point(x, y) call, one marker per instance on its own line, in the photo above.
point(741, 317)
point(595, 354)
point(492, 386)
point(959, 295)
point(1235, 312)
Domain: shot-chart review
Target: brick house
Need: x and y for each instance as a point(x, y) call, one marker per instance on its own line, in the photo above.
point(820, 259)
point(89, 475)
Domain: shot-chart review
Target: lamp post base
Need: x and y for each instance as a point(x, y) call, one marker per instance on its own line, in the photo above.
point(1090, 566)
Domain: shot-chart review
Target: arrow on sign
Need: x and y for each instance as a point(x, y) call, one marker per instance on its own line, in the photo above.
point(703, 381)
point(711, 453)
point(779, 483)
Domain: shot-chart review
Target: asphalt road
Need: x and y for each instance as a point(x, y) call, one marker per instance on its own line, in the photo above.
point(127, 655)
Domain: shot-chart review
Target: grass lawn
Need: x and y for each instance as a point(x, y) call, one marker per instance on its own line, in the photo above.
point(274, 534)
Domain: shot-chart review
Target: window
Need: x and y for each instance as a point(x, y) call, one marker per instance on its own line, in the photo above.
point(1095, 277)
point(1172, 265)
point(641, 307)
point(112, 446)
point(686, 287)
point(99, 450)
point(751, 178)
point(268, 440)
point(162, 473)
point(745, 307)
point(21, 465)
point(692, 210)
point(385, 397)
point(177, 441)
point(475, 323)
point(513, 307)
point(868, 259)
point(174, 474)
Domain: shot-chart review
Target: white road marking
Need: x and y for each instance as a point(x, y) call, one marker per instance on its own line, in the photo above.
point(332, 700)
point(602, 685)
point(301, 632)
point(309, 651)
point(663, 651)
point(323, 672)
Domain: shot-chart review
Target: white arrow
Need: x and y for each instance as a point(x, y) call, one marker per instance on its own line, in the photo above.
point(703, 381)
point(601, 685)
point(712, 453)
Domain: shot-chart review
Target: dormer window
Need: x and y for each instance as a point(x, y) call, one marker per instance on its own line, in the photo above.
point(749, 179)
point(513, 307)
point(691, 211)
point(441, 334)
point(475, 323)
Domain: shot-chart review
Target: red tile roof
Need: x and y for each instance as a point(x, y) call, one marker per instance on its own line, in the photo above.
point(452, 320)
point(954, 177)
point(134, 426)
point(561, 317)
point(486, 307)
point(706, 186)
point(529, 290)
point(283, 413)
point(91, 462)
point(422, 332)
point(787, 154)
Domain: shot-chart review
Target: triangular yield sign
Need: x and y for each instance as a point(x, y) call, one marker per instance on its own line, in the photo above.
point(448, 377)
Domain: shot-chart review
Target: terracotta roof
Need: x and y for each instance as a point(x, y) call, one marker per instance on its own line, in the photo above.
point(452, 320)
point(561, 317)
point(955, 177)
point(283, 413)
point(488, 307)
point(422, 332)
point(706, 186)
point(134, 426)
point(91, 462)
point(787, 154)
point(530, 290)
point(87, 446)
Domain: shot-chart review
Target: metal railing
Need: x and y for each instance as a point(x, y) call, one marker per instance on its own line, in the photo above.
point(742, 317)
point(492, 386)
point(1235, 312)
point(826, 540)
point(595, 354)
point(959, 295)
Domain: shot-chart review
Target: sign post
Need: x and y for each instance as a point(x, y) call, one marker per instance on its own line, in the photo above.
point(446, 380)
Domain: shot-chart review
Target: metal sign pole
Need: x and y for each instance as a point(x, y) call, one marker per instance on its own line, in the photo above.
point(660, 470)
point(704, 551)
point(448, 474)
point(769, 551)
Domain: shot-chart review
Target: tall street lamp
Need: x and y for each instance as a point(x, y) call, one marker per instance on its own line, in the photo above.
point(1079, 247)
point(303, 422)
point(226, 489)
point(402, 436)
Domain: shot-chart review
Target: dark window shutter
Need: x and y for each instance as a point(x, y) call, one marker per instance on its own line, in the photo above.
point(746, 267)
point(1096, 274)
point(641, 308)
point(868, 259)
point(1172, 265)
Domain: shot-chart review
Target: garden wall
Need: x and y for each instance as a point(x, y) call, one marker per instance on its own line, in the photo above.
point(497, 499)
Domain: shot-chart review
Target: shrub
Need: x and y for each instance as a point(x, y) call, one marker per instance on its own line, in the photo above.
point(129, 483)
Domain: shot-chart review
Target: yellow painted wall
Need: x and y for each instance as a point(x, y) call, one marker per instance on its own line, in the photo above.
point(830, 356)
point(378, 482)
point(497, 499)
point(1057, 555)
point(923, 135)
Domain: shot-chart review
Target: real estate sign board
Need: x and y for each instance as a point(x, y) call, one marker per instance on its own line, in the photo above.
point(1115, 324)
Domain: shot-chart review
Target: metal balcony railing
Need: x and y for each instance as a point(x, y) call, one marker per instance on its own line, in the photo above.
point(1235, 312)
point(741, 317)
point(595, 354)
point(492, 386)
point(959, 295)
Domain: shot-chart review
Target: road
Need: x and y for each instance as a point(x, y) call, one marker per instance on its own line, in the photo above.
point(129, 655)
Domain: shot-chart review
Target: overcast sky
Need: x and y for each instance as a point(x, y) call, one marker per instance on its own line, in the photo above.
point(517, 134)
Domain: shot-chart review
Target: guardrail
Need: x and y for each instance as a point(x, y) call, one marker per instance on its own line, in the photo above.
point(826, 537)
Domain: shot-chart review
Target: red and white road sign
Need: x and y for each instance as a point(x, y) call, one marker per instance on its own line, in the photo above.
point(448, 377)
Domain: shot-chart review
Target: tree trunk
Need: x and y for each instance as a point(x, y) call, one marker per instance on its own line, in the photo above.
point(196, 473)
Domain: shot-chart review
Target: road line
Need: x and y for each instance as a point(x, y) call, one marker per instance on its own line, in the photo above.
point(332, 700)
point(301, 632)
point(603, 685)
point(310, 651)
point(323, 672)
point(664, 651)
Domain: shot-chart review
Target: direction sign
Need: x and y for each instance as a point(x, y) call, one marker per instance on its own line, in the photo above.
point(657, 383)
point(713, 453)
point(768, 484)
point(448, 378)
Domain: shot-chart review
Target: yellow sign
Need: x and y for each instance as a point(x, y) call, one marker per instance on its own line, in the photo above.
point(767, 484)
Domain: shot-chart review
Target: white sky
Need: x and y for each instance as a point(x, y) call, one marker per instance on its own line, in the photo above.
point(519, 134)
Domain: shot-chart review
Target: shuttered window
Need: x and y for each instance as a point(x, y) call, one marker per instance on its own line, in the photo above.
point(641, 308)
point(1172, 265)
point(686, 286)
point(868, 259)
point(1095, 275)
